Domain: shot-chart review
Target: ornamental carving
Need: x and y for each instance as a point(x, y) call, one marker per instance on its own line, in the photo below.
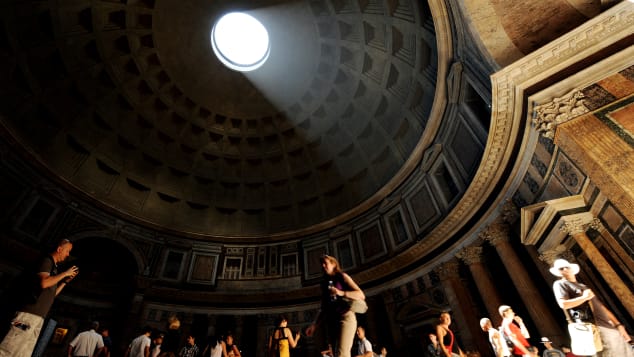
point(510, 213)
point(454, 79)
point(560, 251)
point(496, 233)
point(560, 110)
point(448, 270)
point(471, 255)
point(577, 225)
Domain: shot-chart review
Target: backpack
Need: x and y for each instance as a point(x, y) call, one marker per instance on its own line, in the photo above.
point(506, 338)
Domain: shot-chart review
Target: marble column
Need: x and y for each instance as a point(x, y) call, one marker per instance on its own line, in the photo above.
point(472, 256)
point(576, 228)
point(463, 314)
point(533, 299)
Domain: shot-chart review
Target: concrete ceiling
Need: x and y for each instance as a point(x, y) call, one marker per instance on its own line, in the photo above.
point(125, 102)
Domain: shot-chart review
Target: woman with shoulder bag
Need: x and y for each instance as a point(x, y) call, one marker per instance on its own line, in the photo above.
point(337, 290)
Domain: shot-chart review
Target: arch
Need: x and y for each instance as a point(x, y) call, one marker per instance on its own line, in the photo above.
point(139, 260)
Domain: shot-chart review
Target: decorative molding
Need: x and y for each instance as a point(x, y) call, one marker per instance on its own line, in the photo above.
point(577, 225)
point(340, 231)
point(560, 251)
point(454, 81)
point(449, 270)
point(549, 115)
point(471, 255)
point(496, 233)
point(510, 212)
point(388, 203)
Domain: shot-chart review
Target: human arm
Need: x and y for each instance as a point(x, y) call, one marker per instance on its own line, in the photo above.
point(523, 328)
point(99, 347)
point(367, 347)
point(615, 322)
point(460, 353)
point(236, 351)
point(354, 294)
point(270, 349)
point(511, 336)
point(496, 340)
point(98, 351)
point(47, 280)
point(569, 303)
point(566, 294)
point(310, 330)
point(72, 344)
point(292, 340)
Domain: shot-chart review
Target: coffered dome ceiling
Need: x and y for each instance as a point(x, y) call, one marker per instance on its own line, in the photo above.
point(126, 102)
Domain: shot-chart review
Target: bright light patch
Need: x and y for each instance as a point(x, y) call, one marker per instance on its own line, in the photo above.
point(240, 41)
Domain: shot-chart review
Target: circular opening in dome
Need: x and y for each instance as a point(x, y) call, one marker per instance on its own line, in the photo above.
point(240, 41)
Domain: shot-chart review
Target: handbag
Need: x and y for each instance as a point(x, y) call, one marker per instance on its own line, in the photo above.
point(358, 306)
point(584, 338)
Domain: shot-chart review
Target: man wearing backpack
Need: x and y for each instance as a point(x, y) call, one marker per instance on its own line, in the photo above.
point(499, 345)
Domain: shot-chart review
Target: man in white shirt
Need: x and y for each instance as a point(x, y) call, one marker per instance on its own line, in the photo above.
point(364, 347)
point(498, 343)
point(140, 346)
point(86, 344)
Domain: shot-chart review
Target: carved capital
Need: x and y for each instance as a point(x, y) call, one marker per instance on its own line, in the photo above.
point(557, 252)
point(470, 255)
point(496, 233)
point(510, 213)
point(448, 270)
point(577, 225)
point(560, 110)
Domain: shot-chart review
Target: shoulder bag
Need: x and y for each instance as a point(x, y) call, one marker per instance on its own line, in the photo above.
point(585, 339)
point(358, 306)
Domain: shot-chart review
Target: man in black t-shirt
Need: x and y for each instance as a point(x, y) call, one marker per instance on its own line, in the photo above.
point(27, 323)
point(583, 305)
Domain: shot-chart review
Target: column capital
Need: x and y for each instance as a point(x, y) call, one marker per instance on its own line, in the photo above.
point(448, 270)
point(558, 111)
point(510, 213)
point(560, 251)
point(574, 226)
point(496, 233)
point(470, 255)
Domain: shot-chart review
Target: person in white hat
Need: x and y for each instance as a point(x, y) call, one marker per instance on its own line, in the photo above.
point(583, 305)
point(550, 351)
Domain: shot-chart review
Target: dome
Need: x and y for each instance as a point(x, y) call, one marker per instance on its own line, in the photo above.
point(127, 103)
